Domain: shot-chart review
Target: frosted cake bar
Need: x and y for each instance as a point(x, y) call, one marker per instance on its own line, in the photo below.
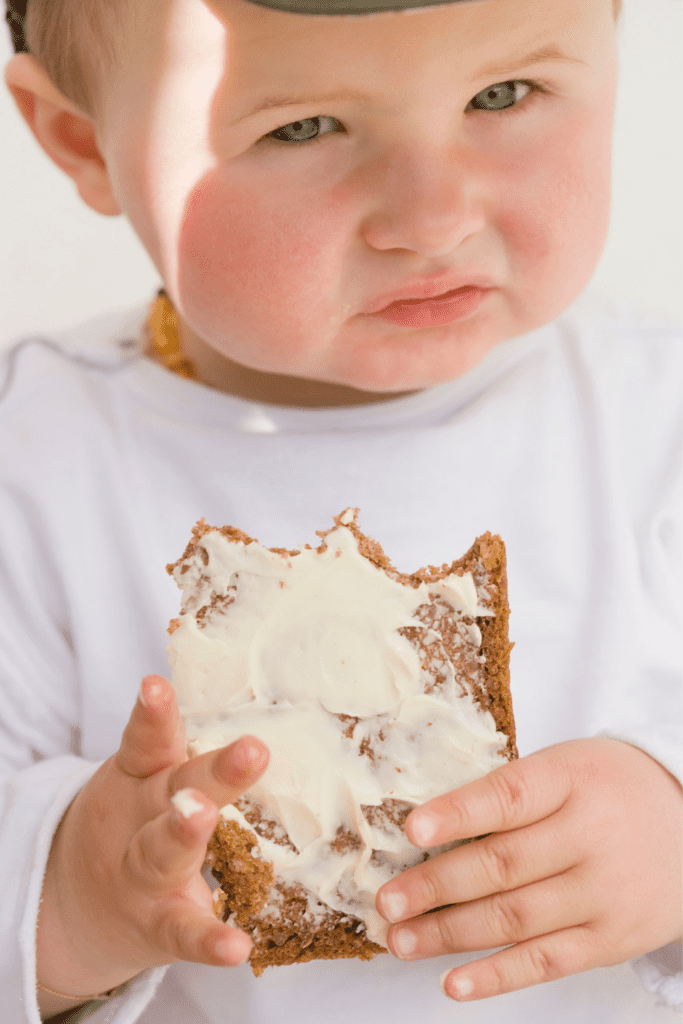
point(374, 690)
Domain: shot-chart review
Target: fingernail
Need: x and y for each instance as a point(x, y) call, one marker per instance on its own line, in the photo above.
point(154, 691)
point(185, 803)
point(236, 948)
point(394, 906)
point(463, 987)
point(248, 755)
point(423, 828)
point(251, 752)
point(404, 942)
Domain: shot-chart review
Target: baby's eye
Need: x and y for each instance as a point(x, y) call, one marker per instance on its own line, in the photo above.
point(302, 131)
point(501, 96)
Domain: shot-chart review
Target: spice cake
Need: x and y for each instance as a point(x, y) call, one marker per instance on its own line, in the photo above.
point(374, 690)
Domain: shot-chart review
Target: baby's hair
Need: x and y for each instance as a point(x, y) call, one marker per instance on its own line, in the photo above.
point(75, 41)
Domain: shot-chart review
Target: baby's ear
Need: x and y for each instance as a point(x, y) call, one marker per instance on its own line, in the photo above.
point(66, 133)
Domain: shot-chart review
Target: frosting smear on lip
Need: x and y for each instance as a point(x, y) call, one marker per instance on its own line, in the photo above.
point(341, 669)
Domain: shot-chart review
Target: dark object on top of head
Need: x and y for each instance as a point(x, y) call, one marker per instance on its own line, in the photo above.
point(16, 11)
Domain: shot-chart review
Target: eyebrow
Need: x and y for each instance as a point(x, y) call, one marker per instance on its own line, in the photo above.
point(543, 55)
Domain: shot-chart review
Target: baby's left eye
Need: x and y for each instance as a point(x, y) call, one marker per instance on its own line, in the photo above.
point(310, 128)
point(501, 96)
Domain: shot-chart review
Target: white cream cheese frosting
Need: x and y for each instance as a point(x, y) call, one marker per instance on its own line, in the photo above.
point(309, 652)
point(184, 802)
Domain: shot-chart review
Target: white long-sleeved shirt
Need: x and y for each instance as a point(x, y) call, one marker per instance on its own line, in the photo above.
point(565, 441)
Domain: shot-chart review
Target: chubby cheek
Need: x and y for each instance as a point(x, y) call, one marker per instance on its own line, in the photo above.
point(555, 216)
point(257, 277)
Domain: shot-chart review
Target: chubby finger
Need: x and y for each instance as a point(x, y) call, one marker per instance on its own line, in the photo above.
point(497, 863)
point(517, 794)
point(223, 775)
point(168, 850)
point(541, 959)
point(498, 920)
point(154, 737)
point(187, 931)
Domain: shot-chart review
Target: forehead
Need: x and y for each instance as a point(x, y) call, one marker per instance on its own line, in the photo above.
point(271, 51)
point(454, 41)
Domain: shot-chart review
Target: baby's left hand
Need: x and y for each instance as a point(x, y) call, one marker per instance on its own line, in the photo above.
point(582, 869)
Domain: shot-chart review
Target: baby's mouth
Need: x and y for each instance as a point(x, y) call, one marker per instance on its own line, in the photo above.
point(446, 288)
point(436, 311)
point(435, 298)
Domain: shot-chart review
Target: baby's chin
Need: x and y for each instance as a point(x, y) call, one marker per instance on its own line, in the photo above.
point(364, 383)
point(368, 379)
point(408, 364)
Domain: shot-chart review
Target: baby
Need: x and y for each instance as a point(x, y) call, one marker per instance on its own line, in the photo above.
point(373, 224)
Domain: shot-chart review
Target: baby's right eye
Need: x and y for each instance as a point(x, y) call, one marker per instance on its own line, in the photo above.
point(301, 131)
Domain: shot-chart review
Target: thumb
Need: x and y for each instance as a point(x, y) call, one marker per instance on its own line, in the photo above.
point(154, 737)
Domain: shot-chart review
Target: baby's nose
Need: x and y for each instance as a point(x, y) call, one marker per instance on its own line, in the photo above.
point(425, 204)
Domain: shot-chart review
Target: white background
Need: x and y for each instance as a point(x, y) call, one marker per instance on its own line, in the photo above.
point(61, 263)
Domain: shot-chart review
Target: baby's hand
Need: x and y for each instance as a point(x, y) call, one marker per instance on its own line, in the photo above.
point(583, 868)
point(123, 889)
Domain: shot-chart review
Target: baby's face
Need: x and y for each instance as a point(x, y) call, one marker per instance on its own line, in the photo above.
point(277, 229)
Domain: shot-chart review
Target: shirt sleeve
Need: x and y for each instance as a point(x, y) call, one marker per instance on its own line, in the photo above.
point(642, 434)
point(32, 803)
point(41, 769)
point(643, 702)
point(645, 706)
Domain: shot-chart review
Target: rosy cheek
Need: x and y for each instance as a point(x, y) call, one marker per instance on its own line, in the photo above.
point(555, 214)
point(251, 261)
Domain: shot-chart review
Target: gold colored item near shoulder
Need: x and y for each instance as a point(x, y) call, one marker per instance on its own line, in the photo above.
point(162, 333)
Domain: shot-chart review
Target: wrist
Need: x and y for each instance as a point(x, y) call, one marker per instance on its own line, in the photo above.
point(51, 1003)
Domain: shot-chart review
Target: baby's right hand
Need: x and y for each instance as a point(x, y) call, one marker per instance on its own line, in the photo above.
point(123, 890)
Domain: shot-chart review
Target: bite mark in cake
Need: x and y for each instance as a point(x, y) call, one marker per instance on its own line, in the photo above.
point(374, 690)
